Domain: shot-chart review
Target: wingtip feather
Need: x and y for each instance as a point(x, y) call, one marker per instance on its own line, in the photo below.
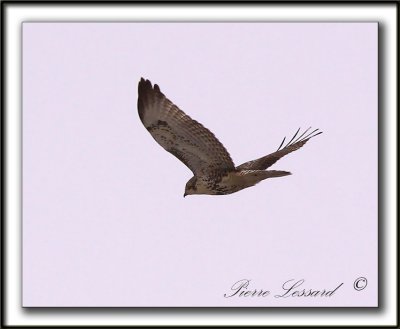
point(145, 86)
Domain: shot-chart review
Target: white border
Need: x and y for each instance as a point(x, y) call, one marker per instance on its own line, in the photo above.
point(385, 14)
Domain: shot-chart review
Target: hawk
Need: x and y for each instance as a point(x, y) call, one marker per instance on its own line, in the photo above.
point(214, 172)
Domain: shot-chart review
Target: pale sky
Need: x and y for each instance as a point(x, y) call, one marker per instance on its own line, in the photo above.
point(104, 218)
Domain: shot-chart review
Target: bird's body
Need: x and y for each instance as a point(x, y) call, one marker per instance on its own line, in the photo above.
point(213, 169)
point(231, 181)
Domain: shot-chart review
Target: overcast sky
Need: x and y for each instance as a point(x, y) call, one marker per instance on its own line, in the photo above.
point(104, 218)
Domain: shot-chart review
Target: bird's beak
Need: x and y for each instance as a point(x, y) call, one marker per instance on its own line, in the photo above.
point(185, 194)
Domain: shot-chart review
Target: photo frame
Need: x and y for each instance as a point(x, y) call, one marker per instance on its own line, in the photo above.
point(192, 313)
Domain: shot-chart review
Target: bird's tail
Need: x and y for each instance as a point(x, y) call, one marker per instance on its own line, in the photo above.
point(252, 177)
point(276, 173)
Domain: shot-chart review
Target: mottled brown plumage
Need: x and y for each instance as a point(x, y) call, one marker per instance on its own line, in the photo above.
point(197, 147)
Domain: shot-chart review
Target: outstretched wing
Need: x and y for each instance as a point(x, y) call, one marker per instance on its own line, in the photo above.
point(268, 160)
point(176, 132)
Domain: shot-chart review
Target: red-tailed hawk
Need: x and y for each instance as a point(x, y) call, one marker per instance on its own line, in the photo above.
point(197, 147)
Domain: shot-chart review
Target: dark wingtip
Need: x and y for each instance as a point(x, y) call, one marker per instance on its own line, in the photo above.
point(144, 82)
point(303, 138)
point(146, 86)
point(144, 89)
point(281, 143)
point(314, 133)
point(147, 93)
point(293, 137)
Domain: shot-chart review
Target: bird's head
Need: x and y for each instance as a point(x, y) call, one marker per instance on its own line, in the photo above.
point(191, 187)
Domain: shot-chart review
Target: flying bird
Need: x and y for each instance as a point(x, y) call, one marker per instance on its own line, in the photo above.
point(214, 172)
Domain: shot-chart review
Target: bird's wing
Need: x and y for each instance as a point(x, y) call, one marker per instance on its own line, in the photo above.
point(268, 160)
point(176, 132)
